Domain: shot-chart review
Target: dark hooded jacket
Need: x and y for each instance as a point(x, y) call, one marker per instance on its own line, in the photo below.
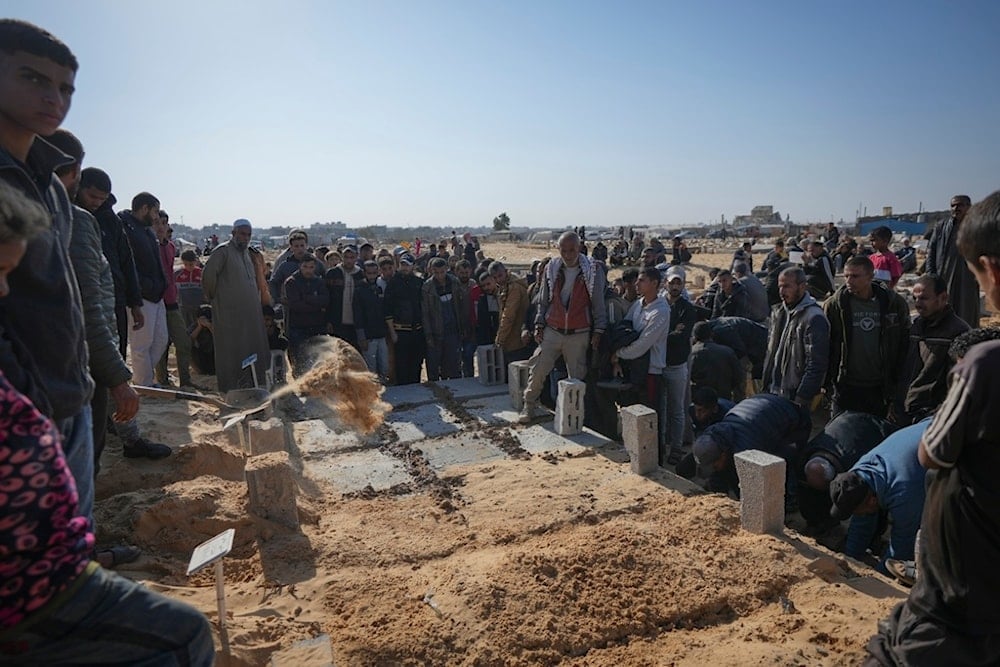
point(43, 349)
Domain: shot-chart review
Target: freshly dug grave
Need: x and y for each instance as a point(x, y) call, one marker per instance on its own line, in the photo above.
point(528, 561)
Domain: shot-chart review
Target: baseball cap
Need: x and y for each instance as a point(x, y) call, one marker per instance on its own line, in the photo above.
point(406, 258)
point(676, 272)
point(242, 222)
point(847, 491)
point(706, 452)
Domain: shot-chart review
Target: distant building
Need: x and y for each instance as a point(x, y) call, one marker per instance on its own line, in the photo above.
point(911, 224)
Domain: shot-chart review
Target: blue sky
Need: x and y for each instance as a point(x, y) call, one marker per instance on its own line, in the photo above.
point(559, 113)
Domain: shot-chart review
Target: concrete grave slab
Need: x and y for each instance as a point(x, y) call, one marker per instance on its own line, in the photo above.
point(425, 421)
point(408, 394)
point(316, 438)
point(459, 449)
point(492, 410)
point(468, 388)
point(356, 470)
point(542, 438)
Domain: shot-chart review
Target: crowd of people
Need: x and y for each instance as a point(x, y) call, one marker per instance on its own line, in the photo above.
point(744, 366)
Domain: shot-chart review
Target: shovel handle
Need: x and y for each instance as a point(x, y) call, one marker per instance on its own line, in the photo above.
point(155, 392)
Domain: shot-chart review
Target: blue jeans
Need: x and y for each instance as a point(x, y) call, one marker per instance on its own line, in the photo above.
point(110, 620)
point(675, 385)
point(377, 358)
point(78, 448)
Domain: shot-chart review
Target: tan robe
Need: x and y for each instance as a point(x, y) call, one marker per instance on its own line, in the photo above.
point(229, 281)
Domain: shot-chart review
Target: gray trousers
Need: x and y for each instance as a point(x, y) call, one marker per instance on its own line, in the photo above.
point(572, 347)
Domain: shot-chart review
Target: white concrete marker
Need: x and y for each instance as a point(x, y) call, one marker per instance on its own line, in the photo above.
point(206, 553)
point(569, 407)
point(489, 362)
point(517, 382)
point(762, 491)
point(639, 433)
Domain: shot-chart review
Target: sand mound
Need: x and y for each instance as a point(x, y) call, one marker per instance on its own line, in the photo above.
point(340, 378)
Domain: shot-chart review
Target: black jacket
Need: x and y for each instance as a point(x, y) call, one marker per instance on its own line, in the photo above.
point(369, 311)
point(306, 302)
point(146, 251)
point(402, 301)
point(679, 339)
point(118, 252)
point(746, 337)
point(43, 350)
point(335, 281)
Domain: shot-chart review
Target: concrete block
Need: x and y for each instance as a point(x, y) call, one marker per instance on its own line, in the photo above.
point(639, 432)
point(272, 488)
point(762, 491)
point(267, 436)
point(517, 382)
point(489, 365)
point(278, 371)
point(569, 407)
point(407, 395)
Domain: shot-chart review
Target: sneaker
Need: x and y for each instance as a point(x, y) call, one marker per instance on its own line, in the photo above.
point(527, 414)
point(144, 449)
point(905, 571)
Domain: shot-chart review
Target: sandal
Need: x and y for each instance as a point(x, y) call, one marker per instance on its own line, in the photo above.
point(905, 571)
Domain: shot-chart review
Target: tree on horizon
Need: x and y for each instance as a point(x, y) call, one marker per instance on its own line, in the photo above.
point(501, 222)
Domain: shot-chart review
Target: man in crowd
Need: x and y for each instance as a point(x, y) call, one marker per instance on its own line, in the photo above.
point(650, 317)
point(629, 276)
point(445, 320)
point(924, 380)
point(340, 282)
point(798, 344)
point(758, 309)
point(731, 300)
point(298, 248)
point(176, 328)
point(370, 318)
point(819, 271)
point(887, 483)
point(869, 334)
point(951, 616)
point(570, 318)
point(230, 283)
point(513, 296)
point(94, 195)
point(149, 341)
point(305, 300)
point(675, 375)
point(403, 312)
point(944, 259)
point(765, 422)
point(716, 366)
point(107, 367)
point(463, 271)
point(44, 351)
point(707, 408)
point(842, 442)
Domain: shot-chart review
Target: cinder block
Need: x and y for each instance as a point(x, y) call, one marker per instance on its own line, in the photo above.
point(489, 361)
point(639, 432)
point(517, 382)
point(278, 372)
point(272, 489)
point(762, 491)
point(569, 407)
point(268, 436)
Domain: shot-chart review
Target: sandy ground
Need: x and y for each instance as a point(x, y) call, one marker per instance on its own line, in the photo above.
point(528, 560)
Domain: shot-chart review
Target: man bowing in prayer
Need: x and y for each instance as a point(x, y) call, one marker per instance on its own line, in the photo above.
point(229, 281)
